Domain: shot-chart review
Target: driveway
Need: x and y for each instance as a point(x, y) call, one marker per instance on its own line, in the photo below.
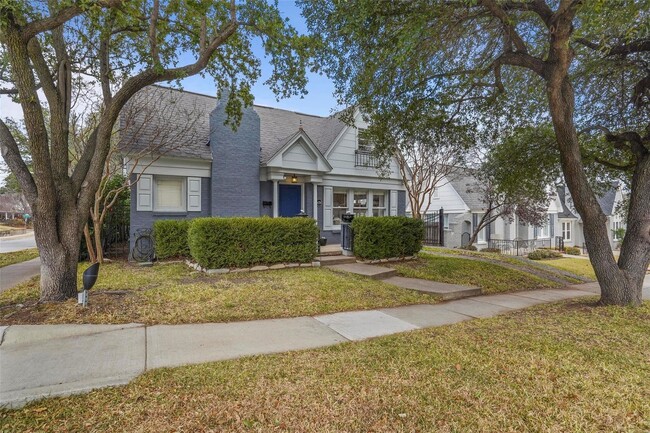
point(17, 243)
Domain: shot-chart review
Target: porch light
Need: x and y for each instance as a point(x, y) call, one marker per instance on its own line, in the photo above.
point(294, 179)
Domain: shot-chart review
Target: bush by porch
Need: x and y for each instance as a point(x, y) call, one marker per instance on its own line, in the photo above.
point(245, 242)
point(384, 237)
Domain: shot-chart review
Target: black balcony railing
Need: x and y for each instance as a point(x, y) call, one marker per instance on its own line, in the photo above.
point(363, 158)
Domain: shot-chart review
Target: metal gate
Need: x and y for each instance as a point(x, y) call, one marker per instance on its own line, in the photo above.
point(434, 228)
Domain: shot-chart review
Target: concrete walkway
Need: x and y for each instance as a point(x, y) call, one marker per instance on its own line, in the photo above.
point(15, 274)
point(389, 275)
point(47, 360)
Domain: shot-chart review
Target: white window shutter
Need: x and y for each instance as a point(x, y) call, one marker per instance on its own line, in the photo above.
point(328, 195)
point(393, 203)
point(144, 189)
point(194, 194)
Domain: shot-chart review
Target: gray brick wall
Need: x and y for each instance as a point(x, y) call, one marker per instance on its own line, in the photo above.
point(235, 164)
point(145, 220)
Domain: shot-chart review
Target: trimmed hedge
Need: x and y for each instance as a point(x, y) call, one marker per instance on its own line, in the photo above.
point(491, 250)
point(573, 251)
point(170, 238)
point(384, 237)
point(243, 242)
point(542, 254)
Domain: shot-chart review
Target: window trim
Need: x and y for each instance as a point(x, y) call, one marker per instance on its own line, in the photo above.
point(567, 227)
point(183, 182)
point(334, 208)
point(372, 204)
point(368, 147)
point(366, 193)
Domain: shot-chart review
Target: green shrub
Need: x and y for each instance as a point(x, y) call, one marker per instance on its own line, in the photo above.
point(384, 237)
point(491, 250)
point(170, 238)
point(469, 248)
point(573, 251)
point(542, 253)
point(243, 242)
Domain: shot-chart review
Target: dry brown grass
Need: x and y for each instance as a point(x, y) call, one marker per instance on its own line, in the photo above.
point(490, 277)
point(172, 293)
point(567, 367)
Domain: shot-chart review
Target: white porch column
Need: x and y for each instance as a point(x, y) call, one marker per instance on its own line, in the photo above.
point(315, 202)
point(276, 198)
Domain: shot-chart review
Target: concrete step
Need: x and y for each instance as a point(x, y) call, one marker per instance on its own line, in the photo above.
point(444, 290)
point(371, 271)
point(335, 260)
point(330, 253)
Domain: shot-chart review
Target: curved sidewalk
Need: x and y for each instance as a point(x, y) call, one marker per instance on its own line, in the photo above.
point(17, 273)
point(47, 360)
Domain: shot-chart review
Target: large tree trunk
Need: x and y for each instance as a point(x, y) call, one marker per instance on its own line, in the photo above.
point(58, 239)
point(619, 286)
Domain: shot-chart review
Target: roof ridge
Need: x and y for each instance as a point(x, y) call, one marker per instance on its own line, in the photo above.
point(254, 105)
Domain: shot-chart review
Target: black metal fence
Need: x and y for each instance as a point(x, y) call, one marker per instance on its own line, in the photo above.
point(364, 159)
point(519, 247)
point(114, 235)
point(559, 243)
point(434, 228)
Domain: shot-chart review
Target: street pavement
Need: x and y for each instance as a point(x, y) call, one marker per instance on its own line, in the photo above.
point(10, 244)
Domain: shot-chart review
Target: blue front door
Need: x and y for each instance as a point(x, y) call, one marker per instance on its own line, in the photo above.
point(289, 200)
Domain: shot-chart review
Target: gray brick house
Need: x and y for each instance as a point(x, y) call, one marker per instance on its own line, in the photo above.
point(277, 164)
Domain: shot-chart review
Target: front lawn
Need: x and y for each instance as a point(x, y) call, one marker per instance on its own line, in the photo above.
point(173, 293)
point(7, 259)
point(567, 367)
point(490, 277)
point(580, 267)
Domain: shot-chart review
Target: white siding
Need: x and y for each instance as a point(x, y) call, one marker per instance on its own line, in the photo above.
point(342, 155)
point(447, 198)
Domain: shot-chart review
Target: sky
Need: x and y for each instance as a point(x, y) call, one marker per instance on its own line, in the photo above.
point(319, 99)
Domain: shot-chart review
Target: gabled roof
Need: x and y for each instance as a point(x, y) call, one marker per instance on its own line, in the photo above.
point(13, 202)
point(277, 126)
point(566, 211)
point(313, 149)
point(465, 185)
point(606, 200)
point(168, 121)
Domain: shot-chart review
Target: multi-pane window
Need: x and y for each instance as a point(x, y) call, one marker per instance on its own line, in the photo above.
point(378, 204)
point(339, 206)
point(566, 230)
point(365, 145)
point(360, 203)
point(446, 221)
point(544, 230)
point(169, 194)
point(616, 227)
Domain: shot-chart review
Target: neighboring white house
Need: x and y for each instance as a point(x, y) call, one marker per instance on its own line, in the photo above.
point(463, 208)
point(570, 223)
